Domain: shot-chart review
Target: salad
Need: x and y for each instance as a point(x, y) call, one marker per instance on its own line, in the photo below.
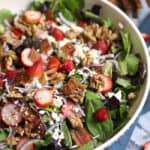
point(68, 77)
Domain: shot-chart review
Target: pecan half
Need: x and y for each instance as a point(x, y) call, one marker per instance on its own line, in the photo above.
point(74, 90)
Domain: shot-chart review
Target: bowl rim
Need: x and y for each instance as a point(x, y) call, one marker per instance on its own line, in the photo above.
point(147, 85)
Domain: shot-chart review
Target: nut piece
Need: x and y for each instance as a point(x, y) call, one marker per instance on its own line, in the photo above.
point(68, 50)
point(95, 83)
point(131, 96)
point(14, 95)
point(55, 77)
point(81, 136)
point(74, 90)
point(45, 46)
point(75, 121)
point(71, 34)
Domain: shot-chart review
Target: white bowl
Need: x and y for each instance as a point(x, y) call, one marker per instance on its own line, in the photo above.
point(109, 10)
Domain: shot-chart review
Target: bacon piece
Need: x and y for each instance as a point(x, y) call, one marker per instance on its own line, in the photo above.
point(81, 136)
point(45, 46)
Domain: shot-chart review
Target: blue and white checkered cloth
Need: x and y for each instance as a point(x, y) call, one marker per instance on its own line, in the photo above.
point(139, 133)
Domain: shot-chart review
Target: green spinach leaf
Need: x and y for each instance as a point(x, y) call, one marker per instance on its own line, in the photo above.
point(67, 136)
point(126, 41)
point(132, 64)
point(107, 69)
point(125, 83)
point(101, 129)
point(3, 135)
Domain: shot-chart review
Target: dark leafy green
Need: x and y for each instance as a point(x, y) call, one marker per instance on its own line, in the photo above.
point(4, 14)
point(124, 83)
point(70, 11)
point(3, 135)
point(106, 21)
point(126, 41)
point(67, 136)
point(107, 69)
point(88, 146)
point(102, 129)
point(45, 143)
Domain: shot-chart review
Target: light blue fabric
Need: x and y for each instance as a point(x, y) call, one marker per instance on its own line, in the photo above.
point(135, 137)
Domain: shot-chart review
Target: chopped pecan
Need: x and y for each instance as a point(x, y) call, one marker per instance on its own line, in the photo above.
point(68, 50)
point(11, 140)
point(95, 83)
point(104, 33)
point(14, 95)
point(45, 46)
point(89, 32)
point(55, 77)
point(71, 34)
point(34, 125)
point(80, 136)
point(30, 29)
point(87, 59)
point(75, 121)
point(74, 90)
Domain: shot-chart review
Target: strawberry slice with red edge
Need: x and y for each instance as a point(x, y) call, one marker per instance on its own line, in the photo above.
point(11, 74)
point(67, 109)
point(17, 32)
point(36, 70)
point(25, 57)
point(101, 114)
point(53, 63)
point(11, 115)
point(146, 36)
point(43, 97)
point(147, 146)
point(67, 66)
point(107, 83)
point(102, 46)
point(58, 34)
point(22, 143)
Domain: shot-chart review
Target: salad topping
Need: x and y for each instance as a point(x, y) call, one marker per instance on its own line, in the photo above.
point(67, 77)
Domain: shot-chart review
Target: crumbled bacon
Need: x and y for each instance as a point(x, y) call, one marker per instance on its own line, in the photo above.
point(45, 46)
point(80, 136)
point(74, 90)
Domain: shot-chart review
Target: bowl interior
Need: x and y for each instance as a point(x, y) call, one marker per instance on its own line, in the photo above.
point(108, 10)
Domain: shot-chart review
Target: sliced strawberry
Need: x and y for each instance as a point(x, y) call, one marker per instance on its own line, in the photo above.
point(32, 16)
point(11, 115)
point(22, 142)
point(101, 46)
point(43, 98)
point(58, 34)
point(36, 70)
point(106, 81)
point(53, 63)
point(25, 57)
point(67, 109)
point(147, 146)
point(1, 83)
point(67, 66)
point(101, 114)
point(146, 36)
point(11, 74)
point(17, 32)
